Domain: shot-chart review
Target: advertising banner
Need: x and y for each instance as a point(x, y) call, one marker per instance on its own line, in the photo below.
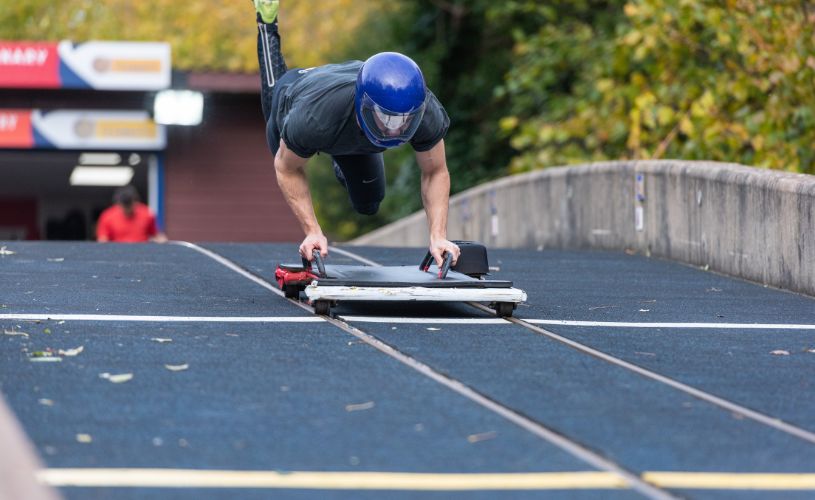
point(29, 65)
point(90, 65)
point(15, 129)
point(76, 129)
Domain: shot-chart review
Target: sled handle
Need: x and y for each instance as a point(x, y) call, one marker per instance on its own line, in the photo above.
point(425, 265)
point(445, 267)
point(317, 259)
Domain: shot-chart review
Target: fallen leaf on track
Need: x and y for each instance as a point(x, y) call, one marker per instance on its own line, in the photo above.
point(434, 329)
point(177, 368)
point(780, 352)
point(45, 402)
point(84, 438)
point(160, 340)
point(116, 379)
point(360, 406)
point(71, 352)
point(58, 259)
point(484, 436)
point(12, 332)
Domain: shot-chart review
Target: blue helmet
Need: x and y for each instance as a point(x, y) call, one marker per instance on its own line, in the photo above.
point(390, 99)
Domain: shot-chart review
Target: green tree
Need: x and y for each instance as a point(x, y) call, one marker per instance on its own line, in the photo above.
point(207, 35)
point(727, 81)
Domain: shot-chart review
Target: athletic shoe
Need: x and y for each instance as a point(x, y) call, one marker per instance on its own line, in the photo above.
point(267, 9)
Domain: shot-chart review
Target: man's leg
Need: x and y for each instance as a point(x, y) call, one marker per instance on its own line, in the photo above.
point(270, 58)
point(364, 178)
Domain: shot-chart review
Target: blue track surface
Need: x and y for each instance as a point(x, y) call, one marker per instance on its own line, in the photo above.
point(294, 396)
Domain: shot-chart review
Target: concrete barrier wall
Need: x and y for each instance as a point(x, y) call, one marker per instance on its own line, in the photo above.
point(752, 223)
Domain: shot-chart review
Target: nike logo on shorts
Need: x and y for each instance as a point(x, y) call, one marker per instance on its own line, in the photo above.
point(370, 181)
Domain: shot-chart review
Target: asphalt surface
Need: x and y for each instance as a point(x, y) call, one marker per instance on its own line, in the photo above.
point(287, 394)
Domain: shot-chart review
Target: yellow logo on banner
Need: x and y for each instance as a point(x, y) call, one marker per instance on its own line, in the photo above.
point(124, 129)
point(104, 65)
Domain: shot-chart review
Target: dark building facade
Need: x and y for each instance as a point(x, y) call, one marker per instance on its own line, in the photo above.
point(210, 182)
point(219, 176)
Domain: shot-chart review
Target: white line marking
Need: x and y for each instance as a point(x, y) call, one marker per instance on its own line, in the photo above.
point(387, 319)
point(196, 478)
point(227, 263)
point(728, 326)
point(187, 478)
point(162, 319)
point(558, 322)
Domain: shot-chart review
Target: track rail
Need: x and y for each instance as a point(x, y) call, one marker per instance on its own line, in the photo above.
point(725, 404)
point(593, 458)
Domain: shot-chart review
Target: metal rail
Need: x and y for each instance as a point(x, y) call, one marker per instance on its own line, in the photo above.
point(730, 406)
point(538, 429)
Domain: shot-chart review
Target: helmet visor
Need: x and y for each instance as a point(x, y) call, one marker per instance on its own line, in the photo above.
point(387, 127)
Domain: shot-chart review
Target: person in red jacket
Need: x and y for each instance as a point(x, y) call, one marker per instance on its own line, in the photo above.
point(128, 220)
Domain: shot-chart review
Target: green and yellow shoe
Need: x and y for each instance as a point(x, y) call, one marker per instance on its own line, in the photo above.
point(267, 9)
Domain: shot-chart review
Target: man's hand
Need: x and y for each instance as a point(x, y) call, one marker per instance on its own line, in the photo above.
point(438, 246)
point(314, 242)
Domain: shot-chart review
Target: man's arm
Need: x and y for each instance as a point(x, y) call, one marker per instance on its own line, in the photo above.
point(436, 197)
point(291, 177)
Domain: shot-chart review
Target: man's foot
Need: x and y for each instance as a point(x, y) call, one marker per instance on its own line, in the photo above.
point(267, 9)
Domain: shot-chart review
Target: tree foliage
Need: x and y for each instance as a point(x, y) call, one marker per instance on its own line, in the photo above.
point(205, 34)
point(727, 81)
point(527, 84)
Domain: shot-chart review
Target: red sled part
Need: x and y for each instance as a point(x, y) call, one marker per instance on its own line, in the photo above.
point(285, 277)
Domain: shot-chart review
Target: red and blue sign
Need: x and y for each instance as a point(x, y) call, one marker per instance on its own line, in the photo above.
point(91, 65)
point(16, 131)
point(80, 129)
point(29, 65)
